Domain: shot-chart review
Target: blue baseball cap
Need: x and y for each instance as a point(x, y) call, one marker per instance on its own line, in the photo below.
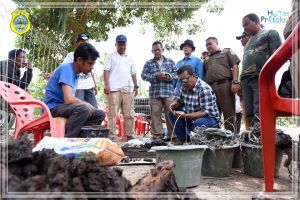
point(121, 38)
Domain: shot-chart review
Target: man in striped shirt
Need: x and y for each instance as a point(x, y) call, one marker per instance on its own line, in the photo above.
point(198, 103)
point(159, 72)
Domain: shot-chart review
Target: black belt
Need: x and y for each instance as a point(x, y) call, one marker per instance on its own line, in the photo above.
point(220, 82)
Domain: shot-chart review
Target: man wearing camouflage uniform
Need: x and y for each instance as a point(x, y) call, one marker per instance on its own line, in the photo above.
point(262, 44)
point(221, 69)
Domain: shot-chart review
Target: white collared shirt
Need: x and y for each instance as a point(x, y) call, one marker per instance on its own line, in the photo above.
point(121, 68)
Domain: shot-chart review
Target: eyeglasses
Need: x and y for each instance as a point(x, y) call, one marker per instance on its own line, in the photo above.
point(184, 80)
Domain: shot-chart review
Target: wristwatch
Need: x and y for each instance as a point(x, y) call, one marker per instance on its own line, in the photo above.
point(235, 82)
point(136, 87)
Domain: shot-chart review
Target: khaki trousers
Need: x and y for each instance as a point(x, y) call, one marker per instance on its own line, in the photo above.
point(226, 104)
point(125, 101)
point(157, 106)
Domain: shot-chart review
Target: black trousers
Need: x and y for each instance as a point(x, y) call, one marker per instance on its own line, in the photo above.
point(78, 115)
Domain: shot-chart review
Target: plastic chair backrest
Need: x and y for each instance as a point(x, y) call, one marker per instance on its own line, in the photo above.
point(31, 114)
point(272, 105)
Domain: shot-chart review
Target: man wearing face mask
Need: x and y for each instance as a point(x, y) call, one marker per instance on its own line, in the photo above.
point(120, 84)
point(10, 70)
point(198, 102)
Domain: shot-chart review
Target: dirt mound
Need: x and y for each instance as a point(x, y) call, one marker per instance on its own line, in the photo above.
point(46, 171)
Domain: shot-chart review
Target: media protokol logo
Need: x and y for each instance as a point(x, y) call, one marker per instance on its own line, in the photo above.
point(20, 23)
point(275, 16)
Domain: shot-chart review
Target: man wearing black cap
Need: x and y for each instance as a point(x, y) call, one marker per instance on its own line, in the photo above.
point(86, 89)
point(188, 48)
point(120, 84)
point(244, 38)
point(60, 91)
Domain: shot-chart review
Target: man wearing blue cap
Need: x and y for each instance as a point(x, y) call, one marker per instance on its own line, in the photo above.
point(120, 84)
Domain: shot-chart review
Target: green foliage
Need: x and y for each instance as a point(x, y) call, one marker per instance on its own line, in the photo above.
point(54, 27)
point(37, 87)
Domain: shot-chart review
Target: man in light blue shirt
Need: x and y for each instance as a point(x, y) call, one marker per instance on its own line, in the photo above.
point(188, 48)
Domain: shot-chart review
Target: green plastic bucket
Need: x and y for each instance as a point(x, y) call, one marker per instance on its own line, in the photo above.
point(218, 162)
point(188, 162)
point(253, 162)
point(237, 161)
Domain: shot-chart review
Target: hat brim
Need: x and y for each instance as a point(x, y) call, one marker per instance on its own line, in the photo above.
point(238, 37)
point(181, 46)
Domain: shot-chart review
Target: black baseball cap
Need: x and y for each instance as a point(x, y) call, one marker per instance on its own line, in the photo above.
point(241, 36)
point(82, 36)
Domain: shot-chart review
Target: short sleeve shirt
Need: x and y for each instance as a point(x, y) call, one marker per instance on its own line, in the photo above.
point(121, 68)
point(258, 50)
point(85, 81)
point(64, 74)
point(219, 65)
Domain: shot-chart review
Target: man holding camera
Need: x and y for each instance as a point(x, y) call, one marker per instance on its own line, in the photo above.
point(159, 72)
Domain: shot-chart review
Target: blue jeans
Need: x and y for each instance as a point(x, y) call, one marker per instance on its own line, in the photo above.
point(88, 96)
point(183, 126)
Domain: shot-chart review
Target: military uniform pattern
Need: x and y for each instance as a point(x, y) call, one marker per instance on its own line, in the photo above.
point(256, 53)
point(258, 50)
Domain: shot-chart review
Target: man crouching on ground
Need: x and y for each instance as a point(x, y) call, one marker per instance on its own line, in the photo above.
point(198, 102)
point(61, 88)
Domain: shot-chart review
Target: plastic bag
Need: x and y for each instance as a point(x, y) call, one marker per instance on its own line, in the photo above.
point(108, 152)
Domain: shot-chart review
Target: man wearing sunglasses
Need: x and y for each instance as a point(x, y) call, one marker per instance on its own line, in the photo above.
point(198, 103)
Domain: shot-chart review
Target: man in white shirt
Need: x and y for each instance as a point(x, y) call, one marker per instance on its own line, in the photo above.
point(120, 84)
point(86, 89)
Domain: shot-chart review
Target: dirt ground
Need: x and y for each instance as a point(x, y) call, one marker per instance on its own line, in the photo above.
point(237, 186)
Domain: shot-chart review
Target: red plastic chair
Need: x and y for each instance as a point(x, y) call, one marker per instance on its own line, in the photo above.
point(25, 108)
point(271, 105)
point(142, 126)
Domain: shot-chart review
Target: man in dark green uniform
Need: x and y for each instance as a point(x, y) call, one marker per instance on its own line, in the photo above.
point(221, 69)
point(257, 51)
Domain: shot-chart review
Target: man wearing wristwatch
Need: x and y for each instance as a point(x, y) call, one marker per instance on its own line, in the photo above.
point(221, 69)
point(120, 84)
